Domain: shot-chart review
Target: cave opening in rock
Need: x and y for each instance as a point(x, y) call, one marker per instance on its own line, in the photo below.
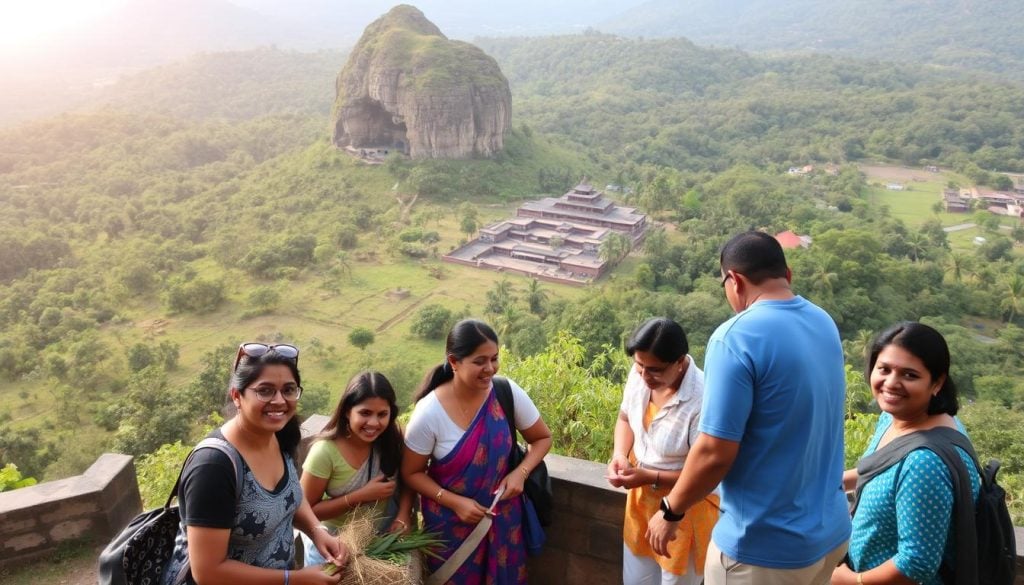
point(369, 126)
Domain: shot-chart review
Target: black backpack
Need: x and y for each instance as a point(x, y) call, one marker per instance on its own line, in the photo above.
point(985, 546)
point(538, 485)
point(138, 555)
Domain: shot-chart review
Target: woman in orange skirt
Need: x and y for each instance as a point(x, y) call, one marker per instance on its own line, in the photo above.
point(656, 426)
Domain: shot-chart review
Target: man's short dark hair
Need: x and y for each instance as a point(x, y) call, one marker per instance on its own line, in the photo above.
point(756, 255)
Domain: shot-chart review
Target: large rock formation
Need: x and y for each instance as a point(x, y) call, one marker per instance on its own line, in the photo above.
point(407, 87)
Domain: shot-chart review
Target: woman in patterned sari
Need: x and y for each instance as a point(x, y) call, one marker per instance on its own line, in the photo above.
point(355, 461)
point(456, 457)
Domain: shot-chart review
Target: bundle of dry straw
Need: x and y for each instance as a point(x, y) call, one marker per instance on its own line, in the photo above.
point(359, 530)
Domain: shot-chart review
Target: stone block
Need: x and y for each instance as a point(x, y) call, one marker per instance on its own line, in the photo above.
point(23, 542)
point(11, 526)
point(604, 541)
point(69, 509)
point(591, 571)
point(71, 529)
point(567, 532)
point(548, 567)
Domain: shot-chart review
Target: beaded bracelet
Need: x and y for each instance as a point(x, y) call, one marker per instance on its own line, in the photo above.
point(437, 497)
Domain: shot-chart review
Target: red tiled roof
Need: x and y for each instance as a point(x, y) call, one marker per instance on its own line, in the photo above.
point(788, 239)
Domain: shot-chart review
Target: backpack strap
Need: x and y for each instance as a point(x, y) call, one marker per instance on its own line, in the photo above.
point(943, 442)
point(222, 446)
point(236, 463)
point(503, 392)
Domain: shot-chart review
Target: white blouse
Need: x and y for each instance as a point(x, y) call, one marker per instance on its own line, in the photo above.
point(432, 432)
point(674, 429)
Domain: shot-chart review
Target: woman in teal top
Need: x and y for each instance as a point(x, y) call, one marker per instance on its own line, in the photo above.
point(903, 526)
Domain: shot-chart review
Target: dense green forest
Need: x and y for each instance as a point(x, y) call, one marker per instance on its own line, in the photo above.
point(969, 35)
point(142, 242)
point(671, 103)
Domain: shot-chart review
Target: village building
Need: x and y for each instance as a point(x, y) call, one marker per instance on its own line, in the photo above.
point(790, 240)
point(953, 202)
point(557, 239)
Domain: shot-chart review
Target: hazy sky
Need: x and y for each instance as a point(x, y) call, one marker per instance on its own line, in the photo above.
point(28, 23)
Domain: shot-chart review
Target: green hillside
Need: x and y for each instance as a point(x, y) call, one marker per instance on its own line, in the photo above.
point(144, 238)
point(971, 35)
point(668, 102)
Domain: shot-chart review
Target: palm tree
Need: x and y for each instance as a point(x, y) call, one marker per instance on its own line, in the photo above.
point(823, 279)
point(536, 297)
point(917, 245)
point(1013, 291)
point(506, 321)
point(957, 265)
point(499, 297)
point(615, 247)
point(656, 243)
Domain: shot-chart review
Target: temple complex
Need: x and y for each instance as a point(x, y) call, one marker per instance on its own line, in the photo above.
point(557, 239)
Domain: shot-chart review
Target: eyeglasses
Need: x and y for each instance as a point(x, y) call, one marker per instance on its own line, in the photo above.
point(654, 372)
point(289, 393)
point(255, 350)
point(725, 278)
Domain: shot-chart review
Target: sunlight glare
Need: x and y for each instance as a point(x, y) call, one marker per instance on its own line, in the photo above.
point(28, 23)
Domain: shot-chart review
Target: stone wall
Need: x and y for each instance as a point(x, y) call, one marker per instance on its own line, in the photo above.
point(96, 505)
point(584, 543)
point(585, 537)
point(585, 540)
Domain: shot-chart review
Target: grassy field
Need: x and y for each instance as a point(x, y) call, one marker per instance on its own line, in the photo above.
point(315, 317)
point(914, 205)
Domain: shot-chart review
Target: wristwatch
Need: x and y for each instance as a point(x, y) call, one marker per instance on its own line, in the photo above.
point(669, 514)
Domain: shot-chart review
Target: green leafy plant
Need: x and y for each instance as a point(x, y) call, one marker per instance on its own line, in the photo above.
point(11, 479)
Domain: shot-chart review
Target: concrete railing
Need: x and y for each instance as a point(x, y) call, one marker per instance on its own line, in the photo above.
point(584, 543)
point(35, 520)
point(585, 540)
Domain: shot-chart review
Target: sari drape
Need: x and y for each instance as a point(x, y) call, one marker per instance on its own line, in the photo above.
point(474, 468)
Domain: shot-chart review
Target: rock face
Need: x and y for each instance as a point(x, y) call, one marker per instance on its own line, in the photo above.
point(407, 87)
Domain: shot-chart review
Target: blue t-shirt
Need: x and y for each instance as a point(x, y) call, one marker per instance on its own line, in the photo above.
point(774, 382)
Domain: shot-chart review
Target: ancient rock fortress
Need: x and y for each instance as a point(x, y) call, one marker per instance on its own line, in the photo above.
point(409, 88)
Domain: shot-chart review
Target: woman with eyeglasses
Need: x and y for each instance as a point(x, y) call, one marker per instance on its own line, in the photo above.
point(656, 426)
point(354, 462)
point(457, 449)
point(249, 539)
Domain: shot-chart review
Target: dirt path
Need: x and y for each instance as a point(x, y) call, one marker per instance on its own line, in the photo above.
point(402, 314)
point(68, 567)
point(895, 173)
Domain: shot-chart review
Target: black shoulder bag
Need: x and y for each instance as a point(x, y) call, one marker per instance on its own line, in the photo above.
point(538, 485)
point(138, 555)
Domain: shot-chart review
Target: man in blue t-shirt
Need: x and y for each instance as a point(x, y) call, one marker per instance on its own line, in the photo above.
point(771, 431)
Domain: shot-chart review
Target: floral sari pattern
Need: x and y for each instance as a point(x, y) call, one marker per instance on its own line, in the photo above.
point(474, 468)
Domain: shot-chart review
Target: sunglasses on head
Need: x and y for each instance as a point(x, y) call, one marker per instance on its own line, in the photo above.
point(255, 350)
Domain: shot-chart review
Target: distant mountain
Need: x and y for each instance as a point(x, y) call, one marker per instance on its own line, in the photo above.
point(460, 19)
point(971, 34)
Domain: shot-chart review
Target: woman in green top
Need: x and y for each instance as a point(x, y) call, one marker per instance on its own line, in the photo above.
point(355, 460)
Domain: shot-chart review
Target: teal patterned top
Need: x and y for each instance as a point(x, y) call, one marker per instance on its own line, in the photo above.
point(905, 514)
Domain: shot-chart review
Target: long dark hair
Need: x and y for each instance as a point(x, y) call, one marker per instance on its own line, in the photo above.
point(248, 370)
point(362, 387)
point(464, 339)
point(660, 336)
point(927, 345)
